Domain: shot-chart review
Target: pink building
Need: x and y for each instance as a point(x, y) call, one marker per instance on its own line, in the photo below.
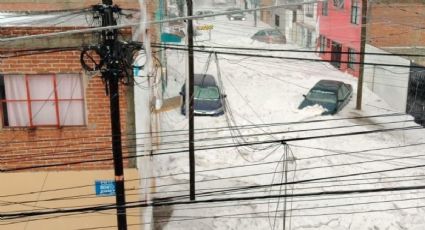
point(339, 30)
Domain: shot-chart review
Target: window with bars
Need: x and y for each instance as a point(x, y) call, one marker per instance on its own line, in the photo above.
point(42, 100)
point(322, 41)
point(325, 7)
point(355, 12)
point(309, 9)
point(339, 4)
point(351, 58)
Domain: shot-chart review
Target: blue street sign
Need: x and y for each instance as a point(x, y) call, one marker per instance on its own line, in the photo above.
point(105, 187)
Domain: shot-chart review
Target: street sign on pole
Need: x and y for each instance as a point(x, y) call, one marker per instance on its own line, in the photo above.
point(105, 187)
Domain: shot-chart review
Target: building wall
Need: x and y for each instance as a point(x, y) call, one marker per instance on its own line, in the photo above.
point(336, 26)
point(21, 147)
point(266, 15)
point(388, 82)
point(306, 24)
point(396, 24)
point(57, 190)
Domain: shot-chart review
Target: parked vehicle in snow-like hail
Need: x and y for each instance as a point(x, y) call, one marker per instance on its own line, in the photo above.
point(269, 36)
point(331, 95)
point(235, 16)
point(208, 99)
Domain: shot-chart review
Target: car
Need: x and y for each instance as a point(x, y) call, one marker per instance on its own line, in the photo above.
point(235, 16)
point(220, 2)
point(331, 95)
point(208, 100)
point(269, 36)
point(203, 13)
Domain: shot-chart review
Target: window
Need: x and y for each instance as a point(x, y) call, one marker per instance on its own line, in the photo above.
point(294, 16)
point(277, 20)
point(325, 7)
point(355, 12)
point(339, 4)
point(260, 33)
point(351, 58)
point(309, 9)
point(328, 43)
point(41, 100)
point(343, 92)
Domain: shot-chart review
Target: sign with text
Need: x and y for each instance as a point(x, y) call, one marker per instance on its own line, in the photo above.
point(105, 187)
point(205, 27)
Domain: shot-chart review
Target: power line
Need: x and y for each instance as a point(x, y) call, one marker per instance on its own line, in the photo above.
point(207, 47)
point(282, 57)
point(214, 129)
point(15, 215)
point(82, 151)
point(222, 168)
point(217, 147)
point(150, 22)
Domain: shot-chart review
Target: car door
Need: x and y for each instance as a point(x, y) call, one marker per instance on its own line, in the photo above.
point(260, 36)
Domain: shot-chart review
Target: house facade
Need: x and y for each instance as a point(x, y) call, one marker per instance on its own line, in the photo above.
point(297, 22)
point(304, 29)
point(339, 33)
point(52, 112)
point(395, 27)
point(55, 118)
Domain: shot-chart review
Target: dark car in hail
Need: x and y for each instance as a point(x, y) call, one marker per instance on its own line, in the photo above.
point(269, 36)
point(204, 13)
point(208, 99)
point(331, 95)
point(236, 15)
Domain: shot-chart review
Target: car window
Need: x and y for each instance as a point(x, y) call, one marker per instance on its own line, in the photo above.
point(321, 96)
point(275, 32)
point(260, 33)
point(206, 93)
point(345, 91)
point(340, 93)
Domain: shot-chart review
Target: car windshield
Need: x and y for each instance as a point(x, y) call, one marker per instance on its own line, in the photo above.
point(206, 93)
point(321, 96)
point(274, 32)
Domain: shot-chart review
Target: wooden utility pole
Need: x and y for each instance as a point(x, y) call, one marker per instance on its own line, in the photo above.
point(191, 112)
point(362, 56)
point(111, 76)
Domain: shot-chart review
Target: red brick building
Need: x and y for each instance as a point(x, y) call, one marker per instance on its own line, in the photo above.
point(51, 112)
point(397, 27)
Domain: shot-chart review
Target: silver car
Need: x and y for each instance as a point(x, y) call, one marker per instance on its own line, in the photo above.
point(269, 36)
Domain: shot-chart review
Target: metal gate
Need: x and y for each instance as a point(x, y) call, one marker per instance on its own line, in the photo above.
point(416, 94)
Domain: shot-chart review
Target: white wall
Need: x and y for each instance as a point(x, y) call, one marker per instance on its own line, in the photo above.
point(389, 83)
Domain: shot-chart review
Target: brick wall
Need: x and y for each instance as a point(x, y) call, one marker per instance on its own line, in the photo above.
point(396, 24)
point(20, 147)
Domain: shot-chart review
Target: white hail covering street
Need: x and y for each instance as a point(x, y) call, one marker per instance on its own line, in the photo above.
point(263, 95)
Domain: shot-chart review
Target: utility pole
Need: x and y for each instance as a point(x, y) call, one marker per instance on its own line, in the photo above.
point(191, 112)
point(111, 75)
point(362, 54)
point(255, 12)
point(114, 59)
